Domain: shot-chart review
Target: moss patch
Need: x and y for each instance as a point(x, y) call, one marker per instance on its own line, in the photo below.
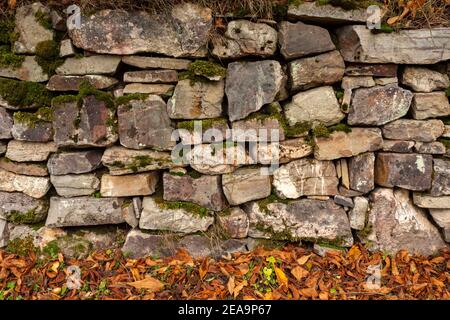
point(22, 218)
point(44, 114)
point(9, 59)
point(447, 92)
point(322, 131)
point(206, 124)
point(190, 207)
point(129, 97)
point(273, 198)
point(201, 70)
point(347, 4)
point(25, 93)
point(22, 246)
point(47, 56)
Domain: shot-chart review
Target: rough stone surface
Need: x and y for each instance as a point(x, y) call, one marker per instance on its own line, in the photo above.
point(155, 217)
point(244, 85)
point(151, 76)
point(122, 161)
point(421, 79)
point(342, 144)
point(355, 82)
point(159, 89)
point(441, 178)
point(89, 65)
point(343, 201)
point(379, 105)
point(317, 106)
point(29, 29)
point(324, 69)
point(430, 105)
point(301, 219)
point(245, 185)
point(358, 214)
point(72, 185)
point(245, 38)
point(362, 172)
point(94, 128)
point(294, 149)
point(396, 224)
point(299, 40)
point(306, 177)
point(359, 44)
point(214, 159)
point(205, 191)
point(373, 70)
point(234, 223)
point(427, 201)
point(35, 187)
point(141, 244)
point(21, 207)
point(264, 129)
point(310, 11)
point(72, 83)
point(182, 32)
point(40, 131)
point(74, 162)
point(156, 62)
point(141, 184)
point(4, 234)
point(198, 100)
point(145, 123)
point(30, 70)
point(399, 146)
point(66, 48)
point(84, 211)
point(408, 171)
point(434, 147)
point(416, 130)
point(23, 168)
point(441, 217)
point(22, 151)
point(6, 124)
point(215, 131)
point(2, 147)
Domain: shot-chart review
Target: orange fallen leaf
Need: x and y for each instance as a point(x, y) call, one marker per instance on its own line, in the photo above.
point(281, 277)
point(231, 285)
point(149, 283)
point(302, 260)
point(299, 273)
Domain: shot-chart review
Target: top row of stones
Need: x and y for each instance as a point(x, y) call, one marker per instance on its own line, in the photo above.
point(186, 32)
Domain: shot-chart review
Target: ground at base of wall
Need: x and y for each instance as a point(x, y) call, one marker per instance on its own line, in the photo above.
point(288, 272)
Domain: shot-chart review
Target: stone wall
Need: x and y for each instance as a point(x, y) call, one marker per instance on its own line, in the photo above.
point(87, 117)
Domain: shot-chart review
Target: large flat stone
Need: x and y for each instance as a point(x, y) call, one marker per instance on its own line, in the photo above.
point(250, 85)
point(97, 64)
point(328, 14)
point(205, 191)
point(416, 130)
point(86, 124)
point(181, 32)
point(316, 106)
point(156, 62)
point(404, 170)
point(75, 185)
point(23, 151)
point(30, 70)
point(359, 44)
point(142, 184)
point(362, 172)
point(74, 162)
point(245, 185)
point(373, 70)
point(441, 178)
point(234, 222)
point(324, 69)
point(72, 83)
point(299, 39)
point(29, 29)
point(145, 88)
point(422, 79)
point(198, 100)
point(122, 161)
point(258, 129)
point(430, 105)
point(395, 224)
point(307, 219)
point(84, 211)
point(151, 76)
point(155, 216)
point(245, 38)
point(342, 144)
point(21, 208)
point(379, 105)
point(144, 124)
point(40, 131)
point(35, 187)
point(424, 200)
point(306, 177)
point(24, 168)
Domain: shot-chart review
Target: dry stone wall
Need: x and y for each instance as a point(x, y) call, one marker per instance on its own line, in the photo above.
point(88, 115)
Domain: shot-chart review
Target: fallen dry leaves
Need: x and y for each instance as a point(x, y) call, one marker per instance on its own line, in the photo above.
point(287, 273)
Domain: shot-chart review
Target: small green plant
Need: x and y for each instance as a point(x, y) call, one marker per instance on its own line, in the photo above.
point(201, 70)
point(52, 249)
point(447, 92)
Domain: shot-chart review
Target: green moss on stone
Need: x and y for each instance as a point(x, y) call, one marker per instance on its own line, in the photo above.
point(206, 124)
point(321, 131)
point(273, 198)
point(21, 246)
point(44, 114)
point(447, 92)
point(184, 205)
point(51, 249)
point(9, 59)
point(25, 93)
point(20, 217)
point(348, 4)
point(87, 89)
point(47, 56)
point(44, 19)
point(207, 69)
point(129, 97)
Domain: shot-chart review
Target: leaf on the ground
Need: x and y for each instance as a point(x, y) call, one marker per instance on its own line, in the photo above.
point(299, 273)
point(281, 277)
point(148, 283)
